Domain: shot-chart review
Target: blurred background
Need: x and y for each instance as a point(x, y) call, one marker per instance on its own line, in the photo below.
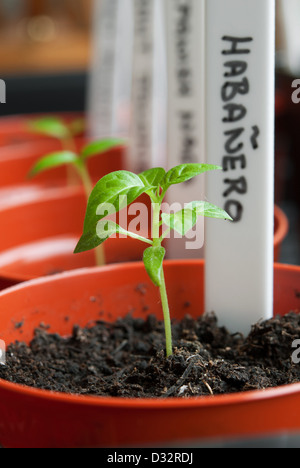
point(45, 56)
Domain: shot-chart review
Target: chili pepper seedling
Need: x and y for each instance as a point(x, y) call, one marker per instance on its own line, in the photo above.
point(112, 189)
point(70, 157)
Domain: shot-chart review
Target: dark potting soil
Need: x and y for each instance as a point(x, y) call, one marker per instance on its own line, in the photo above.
point(126, 359)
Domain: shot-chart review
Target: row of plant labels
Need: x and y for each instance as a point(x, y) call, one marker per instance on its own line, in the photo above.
point(192, 81)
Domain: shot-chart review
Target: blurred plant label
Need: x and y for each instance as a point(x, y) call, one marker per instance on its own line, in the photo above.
point(2, 353)
point(141, 125)
point(185, 32)
point(111, 74)
point(240, 106)
point(149, 87)
point(2, 92)
point(288, 20)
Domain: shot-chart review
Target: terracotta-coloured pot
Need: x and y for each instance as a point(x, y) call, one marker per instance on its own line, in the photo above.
point(37, 418)
point(21, 148)
point(17, 160)
point(38, 238)
point(281, 228)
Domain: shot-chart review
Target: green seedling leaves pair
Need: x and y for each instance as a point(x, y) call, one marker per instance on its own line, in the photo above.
point(61, 158)
point(159, 178)
point(56, 128)
point(120, 189)
point(126, 186)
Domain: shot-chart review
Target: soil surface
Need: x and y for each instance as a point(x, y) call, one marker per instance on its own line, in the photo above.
point(126, 359)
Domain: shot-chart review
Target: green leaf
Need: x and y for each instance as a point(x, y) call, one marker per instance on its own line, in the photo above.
point(182, 221)
point(107, 228)
point(185, 172)
point(118, 189)
point(153, 261)
point(54, 160)
point(50, 126)
point(104, 229)
point(88, 241)
point(99, 147)
point(93, 239)
point(208, 210)
point(153, 177)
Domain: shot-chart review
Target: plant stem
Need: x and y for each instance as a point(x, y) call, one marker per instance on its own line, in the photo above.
point(156, 207)
point(88, 187)
point(167, 319)
point(157, 241)
point(68, 144)
point(86, 180)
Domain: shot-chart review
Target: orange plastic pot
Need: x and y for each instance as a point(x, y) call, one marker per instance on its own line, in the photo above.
point(17, 160)
point(281, 228)
point(39, 238)
point(37, 418)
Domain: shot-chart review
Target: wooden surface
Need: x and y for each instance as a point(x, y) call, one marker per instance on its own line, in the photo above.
point(65, 53)
point(46, 40)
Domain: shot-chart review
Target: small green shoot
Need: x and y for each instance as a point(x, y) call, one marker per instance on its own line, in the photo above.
point(55, 127)
point(114, 187)
point(71, 158)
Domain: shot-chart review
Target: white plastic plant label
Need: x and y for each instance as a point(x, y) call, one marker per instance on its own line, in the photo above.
point(240, 70)
point(289, 20)
point(146, 142)
point(111, 69)
point(159, 115)
point(185, 32)
point(139, 156)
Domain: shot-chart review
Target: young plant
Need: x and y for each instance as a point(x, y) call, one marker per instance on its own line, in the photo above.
point(72, 158)
point(116, 187)
point(55, 127)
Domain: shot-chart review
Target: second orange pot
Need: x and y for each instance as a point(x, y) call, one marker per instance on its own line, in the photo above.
point(38, 238)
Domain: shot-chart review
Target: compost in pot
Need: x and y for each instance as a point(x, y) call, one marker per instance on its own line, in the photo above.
point(125, 358)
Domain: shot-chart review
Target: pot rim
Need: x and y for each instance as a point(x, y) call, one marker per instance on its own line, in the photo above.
point(282, 225)
point(131, 403)
point(65, 192)
point(50, 195)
